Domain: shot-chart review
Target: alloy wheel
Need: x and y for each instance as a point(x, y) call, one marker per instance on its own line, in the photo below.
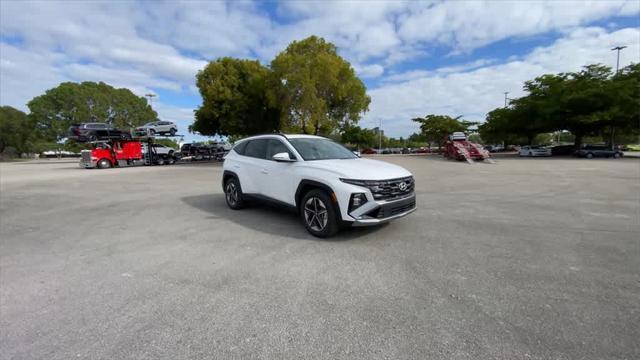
point(315, 214)
point(232, 193)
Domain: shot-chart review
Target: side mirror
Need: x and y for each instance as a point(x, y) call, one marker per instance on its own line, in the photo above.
point(282, 157)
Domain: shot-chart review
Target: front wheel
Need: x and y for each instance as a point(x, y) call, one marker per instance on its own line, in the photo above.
point(233, 194)
point(172, 132)
point(589, 156)
point(617, 155)
point(104, 164)
point(318, 214)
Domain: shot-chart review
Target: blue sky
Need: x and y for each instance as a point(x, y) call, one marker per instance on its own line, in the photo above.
point(416, 58)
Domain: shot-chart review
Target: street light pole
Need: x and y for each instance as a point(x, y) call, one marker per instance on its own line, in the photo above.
point(150, 97)
point(505, 98)
point(380, 137)
point(618, 48)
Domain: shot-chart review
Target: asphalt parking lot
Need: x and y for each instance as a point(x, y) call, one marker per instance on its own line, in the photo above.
point(522, 259)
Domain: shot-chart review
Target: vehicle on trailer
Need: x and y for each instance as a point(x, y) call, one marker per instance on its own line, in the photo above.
point(591, 151)
point(160, 149)
point(458, 147)
point(197, 151)
point(96, 131)
point(109, 154)
point(326, 183)
point(532, 151)
point(158, 128)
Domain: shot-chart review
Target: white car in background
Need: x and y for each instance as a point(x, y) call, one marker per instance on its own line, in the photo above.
point(158, 127)
point(534, 151)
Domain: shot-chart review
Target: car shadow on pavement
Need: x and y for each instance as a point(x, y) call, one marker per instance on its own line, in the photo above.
point(269, 218)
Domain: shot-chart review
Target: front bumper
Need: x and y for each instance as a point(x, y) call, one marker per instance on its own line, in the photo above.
point(88, 164)
point(377, 212)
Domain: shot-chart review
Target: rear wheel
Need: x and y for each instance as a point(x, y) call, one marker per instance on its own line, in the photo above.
point(233, 194)
point(152, 132)
point(104, 164)
point(589, 156)
point(318, 214)
point(617, 155)
point(172, 132)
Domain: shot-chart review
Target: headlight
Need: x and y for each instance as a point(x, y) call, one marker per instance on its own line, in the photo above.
point(357, 200)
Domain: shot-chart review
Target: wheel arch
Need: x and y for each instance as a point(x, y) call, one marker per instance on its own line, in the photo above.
point(307, 185)
point(227, 174)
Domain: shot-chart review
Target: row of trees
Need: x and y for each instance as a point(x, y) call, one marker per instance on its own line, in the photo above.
point(51, 114)
point(308, 88)
point(593, 102)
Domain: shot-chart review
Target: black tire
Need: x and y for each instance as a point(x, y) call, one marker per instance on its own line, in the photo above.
point(152, 132)
point(93, 138)
point(318, 214)
point(104, 164)
point(589, 156)
point(172, 132)
point(233, 194)
point(617, 155)
point(530, 154)
point(170, 160)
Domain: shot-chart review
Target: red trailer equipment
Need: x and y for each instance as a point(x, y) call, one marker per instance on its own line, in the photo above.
point(458, 147)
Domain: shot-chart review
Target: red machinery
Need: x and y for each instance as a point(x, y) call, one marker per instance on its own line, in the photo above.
point(458, 147)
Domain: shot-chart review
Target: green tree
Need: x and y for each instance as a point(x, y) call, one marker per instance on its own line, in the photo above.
point(16, 130)
point(234, 99)
point(358, 136)
point(70, 103)
point(436, 127)
point(316, 90)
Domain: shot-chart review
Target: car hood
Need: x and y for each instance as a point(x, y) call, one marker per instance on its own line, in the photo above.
point(360, 169)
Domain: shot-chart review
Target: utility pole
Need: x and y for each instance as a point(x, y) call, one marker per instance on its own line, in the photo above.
point(618, 48)
point(150, 97)
point(505, 98)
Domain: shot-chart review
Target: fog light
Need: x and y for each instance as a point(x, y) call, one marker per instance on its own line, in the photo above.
point(356, 201)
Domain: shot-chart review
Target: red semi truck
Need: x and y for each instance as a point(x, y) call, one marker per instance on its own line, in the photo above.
point(113, 153)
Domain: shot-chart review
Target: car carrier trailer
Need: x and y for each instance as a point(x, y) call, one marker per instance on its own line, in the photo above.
point(124, 152)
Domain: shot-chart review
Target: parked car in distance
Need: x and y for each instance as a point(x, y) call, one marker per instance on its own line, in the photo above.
point(368, 151)
point(328, 185)
point(494, 148)
point(562, 150)
point(96, 131)
point(531, 151)
point(591, 151)
point(158, 127)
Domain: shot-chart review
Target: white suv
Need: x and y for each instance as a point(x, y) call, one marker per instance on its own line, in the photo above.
point(328, 185)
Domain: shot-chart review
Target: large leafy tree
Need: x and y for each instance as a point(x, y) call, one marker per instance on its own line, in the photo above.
point(590, 102)
point(316, 90)
point(16, 130)
point(69, 103)
point(436, 127)
point(234, 99)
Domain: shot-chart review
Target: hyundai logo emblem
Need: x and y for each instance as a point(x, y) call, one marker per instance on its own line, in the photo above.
point(402, 186)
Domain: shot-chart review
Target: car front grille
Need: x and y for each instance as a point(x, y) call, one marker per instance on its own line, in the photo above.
point(386, 189)
point(391, 189)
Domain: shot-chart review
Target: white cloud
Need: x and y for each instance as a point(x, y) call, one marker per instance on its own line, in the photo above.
point(474, 93)
point(161, 45)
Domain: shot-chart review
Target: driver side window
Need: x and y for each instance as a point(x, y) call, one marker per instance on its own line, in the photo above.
point(276, 147)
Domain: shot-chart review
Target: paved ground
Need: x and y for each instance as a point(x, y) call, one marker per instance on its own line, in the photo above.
point(524, 259)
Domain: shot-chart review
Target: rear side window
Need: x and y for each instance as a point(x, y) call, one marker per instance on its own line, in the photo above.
point(257, 148)
point(239, 148)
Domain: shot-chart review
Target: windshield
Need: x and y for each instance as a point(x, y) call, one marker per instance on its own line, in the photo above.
point(320, 149)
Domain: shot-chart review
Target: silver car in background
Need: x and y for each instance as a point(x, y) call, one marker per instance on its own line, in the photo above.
point(534, 151)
